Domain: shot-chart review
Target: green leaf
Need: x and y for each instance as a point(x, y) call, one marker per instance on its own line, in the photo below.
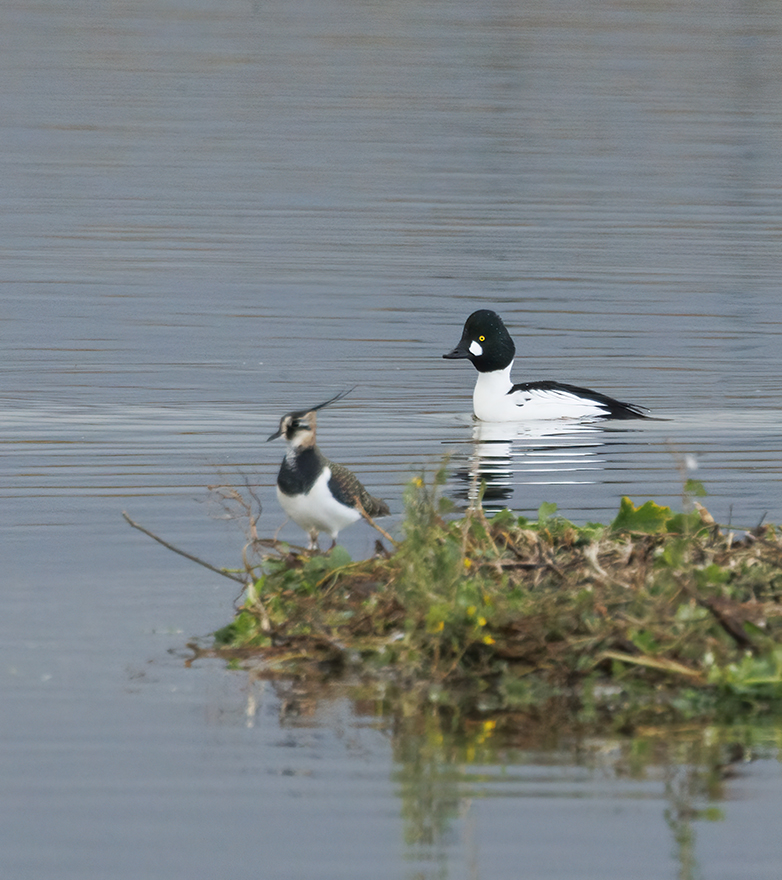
point(590, 532)
point(758, 677)
point(696, 488)
point(686, 524)
point(644, 641)
point(546, 511)
point(338, 558)
point(436, 617)
point(688, 612)
point(712, 574)
point(675, 553)
point(238, 632)
point(504, 519)
point(650, 518)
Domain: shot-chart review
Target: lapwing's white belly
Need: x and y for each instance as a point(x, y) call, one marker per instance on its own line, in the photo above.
point(318, 509)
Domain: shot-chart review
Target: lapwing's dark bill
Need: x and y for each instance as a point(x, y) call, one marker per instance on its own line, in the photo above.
point(487, 344)
point(317, 494)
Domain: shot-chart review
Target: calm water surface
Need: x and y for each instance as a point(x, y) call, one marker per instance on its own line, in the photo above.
point(213, 213)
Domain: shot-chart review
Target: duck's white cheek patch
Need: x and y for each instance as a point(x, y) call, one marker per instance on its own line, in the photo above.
point(475, 349)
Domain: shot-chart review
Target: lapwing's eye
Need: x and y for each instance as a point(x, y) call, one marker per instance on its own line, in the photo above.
point(481, 339)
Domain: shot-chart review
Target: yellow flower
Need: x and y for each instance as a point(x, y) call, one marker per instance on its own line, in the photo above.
point(467, 563)
point(471, 610)
point(481, 621)
point(488, 640)
point(418, 482)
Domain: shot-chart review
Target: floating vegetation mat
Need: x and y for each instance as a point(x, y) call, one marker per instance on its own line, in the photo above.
point(657, 617)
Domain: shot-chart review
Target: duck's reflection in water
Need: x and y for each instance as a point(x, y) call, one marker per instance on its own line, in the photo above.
point(505, 454)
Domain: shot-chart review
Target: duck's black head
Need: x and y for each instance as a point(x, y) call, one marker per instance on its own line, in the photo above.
point(486, 342)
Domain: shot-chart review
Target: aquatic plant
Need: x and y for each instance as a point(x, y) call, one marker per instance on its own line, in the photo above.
point(656, 616)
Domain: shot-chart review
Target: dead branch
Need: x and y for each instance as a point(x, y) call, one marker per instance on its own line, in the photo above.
point(228, 574)
point(368, 518)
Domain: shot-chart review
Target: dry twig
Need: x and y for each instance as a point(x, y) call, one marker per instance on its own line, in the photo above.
point(224, 572)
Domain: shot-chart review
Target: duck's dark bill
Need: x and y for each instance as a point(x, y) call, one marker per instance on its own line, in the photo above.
point(275, 435)
point(458, 352)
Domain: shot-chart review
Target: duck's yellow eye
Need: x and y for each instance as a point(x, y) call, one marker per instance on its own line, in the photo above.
point(481, 339)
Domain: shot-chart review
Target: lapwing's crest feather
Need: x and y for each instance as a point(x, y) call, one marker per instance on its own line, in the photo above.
point(300, 413)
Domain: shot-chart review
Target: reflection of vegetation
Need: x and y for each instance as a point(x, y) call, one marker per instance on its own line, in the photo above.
point(659, 616)
point(679, 815)
point(445, 767)
point(691, 765)
point(432, 786)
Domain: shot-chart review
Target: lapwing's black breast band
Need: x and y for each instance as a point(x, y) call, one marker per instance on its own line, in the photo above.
point(299, 478)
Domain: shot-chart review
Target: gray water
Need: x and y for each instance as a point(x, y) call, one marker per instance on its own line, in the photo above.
point(215, 212)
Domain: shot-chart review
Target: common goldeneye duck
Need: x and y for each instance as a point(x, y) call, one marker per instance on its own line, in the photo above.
point(487, 343)
point(317, 494)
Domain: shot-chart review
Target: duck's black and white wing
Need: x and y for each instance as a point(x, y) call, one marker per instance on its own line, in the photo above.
point(572, 401)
